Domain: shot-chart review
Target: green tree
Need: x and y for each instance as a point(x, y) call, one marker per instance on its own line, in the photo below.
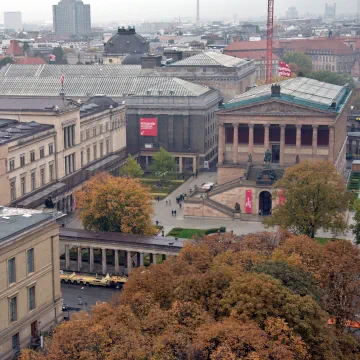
point(5, 61)
point(298, 62)
point(59, 53)
point(163, 162)
point(131, 168)
point(316, 197)
point(332, 78)
point(118, 204)
point(26, 48)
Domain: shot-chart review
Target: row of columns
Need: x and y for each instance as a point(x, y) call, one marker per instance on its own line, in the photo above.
point(235, 154)
point(129, 259)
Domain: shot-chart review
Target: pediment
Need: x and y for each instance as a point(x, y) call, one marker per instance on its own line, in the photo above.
point(273, 108)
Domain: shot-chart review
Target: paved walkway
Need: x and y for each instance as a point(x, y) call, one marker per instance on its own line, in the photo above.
point(163, 214)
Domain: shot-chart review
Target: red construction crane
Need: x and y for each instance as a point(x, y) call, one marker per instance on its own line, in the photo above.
point(269, 41)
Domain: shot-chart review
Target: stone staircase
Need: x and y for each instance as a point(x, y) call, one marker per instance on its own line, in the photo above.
point(220, 207)
point(224, 187)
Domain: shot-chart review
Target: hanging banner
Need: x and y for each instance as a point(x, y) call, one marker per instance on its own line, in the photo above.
point(284, 69)
point(148, 127)
point(248, 202)
point(282, 198)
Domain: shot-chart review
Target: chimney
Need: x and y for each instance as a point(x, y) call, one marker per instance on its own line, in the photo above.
point(275, 90)
point(175, 55)
point(150, 61)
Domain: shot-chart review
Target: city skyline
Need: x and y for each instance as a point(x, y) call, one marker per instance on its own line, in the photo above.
point(141, 10)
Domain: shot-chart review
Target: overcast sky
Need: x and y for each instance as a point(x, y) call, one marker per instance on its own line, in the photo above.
point(139, 10)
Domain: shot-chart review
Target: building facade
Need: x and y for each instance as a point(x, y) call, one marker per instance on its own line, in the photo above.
point(71, 17)
point(13, 21)
point(30, 294)
point(290, 120)
point(57, 145)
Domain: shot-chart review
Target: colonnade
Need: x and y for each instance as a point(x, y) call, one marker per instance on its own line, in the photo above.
point(235, 155)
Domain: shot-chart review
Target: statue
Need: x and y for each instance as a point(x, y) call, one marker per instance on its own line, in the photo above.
point(267, 157)
point(237, 208)
point(250, 158)
point(297, 160)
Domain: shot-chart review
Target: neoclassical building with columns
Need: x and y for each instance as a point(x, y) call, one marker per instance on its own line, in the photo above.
point(296, 120)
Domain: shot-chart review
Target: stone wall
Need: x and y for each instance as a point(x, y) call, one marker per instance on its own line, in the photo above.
point(198, 210)
point(226, 174)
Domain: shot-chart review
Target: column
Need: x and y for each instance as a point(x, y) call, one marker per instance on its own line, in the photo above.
point(67, 257)
point(251, 138)
point(282, 144)
point(298, 139)
point(266, 136)
point(79, 258)
point(186, 130)
point(91, 259)
point(331, 143)
point(103, 262)
point(314, 141)
point(154, 259)
point(142, 255)
point(236, 144)
point(194, 164)
point(146, 162)
point(180, 164)
point(129, 262)
point(116, 259)
point(171, 131)
point(221, 144)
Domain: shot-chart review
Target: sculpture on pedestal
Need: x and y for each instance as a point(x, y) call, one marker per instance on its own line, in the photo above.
point(237, 208)
point(267, 157)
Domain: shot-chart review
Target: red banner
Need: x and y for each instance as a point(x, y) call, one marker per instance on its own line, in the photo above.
point(284, 69)
point(282, 198)
point(148, 127)
point(248, 203)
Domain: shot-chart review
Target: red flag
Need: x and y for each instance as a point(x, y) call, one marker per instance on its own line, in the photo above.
point(284, 69)
point(62, 79)
point(248, 201)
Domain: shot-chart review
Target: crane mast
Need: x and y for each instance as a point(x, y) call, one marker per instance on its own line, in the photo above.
point(269, 41)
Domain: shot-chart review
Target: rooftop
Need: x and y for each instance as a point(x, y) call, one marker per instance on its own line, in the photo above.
point(256, 55)
point(11, 130)
point(303, 91)
point(210, 58)
point(14, 221)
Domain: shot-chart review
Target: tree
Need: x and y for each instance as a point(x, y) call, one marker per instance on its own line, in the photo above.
point(131, 168)
point(26, 48)
point(356, 227)
point(109, 203)
point(332, 78)
point(5, 61)
point(59, 53)
point(298, 62)
point(163, 162)
point(316, 198)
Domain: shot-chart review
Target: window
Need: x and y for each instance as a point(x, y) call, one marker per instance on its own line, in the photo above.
point(12, 189)
point(42, 152)
point(31, 298)
point(88, 155)
point(94, 131)
point(82, 158)
point(87, 134)
point(22, 160)
point(30, 261)
point(107, 127)
point(101, 128)
point(81, 135)
point(11, 271)
point(101, 149)
point(12, 164)
point(13, 309)
point(23, 185)
point(51, 172)
point(15, 341)
point(107, 147)
point(95, 152)
point(32, 156)
point(33, 180)
point(51, 149)
point(42, 176)
point(69, 164)
point(69, 136)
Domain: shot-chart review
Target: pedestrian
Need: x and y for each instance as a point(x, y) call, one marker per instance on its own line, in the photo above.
point(193, 176)
point(166, 202)
point(175, 212)
point(169, 202)
point(162, 233)
point(180, 206)
point(172, 212)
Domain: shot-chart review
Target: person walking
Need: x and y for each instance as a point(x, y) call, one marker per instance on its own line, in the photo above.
point(169, 202)
point(166, 203)
point(180, 205)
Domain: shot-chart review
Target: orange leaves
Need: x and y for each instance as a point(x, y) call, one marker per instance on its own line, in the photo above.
point(109, 203)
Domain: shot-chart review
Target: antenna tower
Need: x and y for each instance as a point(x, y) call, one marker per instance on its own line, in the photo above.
point(269, 41)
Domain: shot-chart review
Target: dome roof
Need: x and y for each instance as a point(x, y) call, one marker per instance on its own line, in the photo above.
point(126, 41)
point(102, 101)
point(132, 59)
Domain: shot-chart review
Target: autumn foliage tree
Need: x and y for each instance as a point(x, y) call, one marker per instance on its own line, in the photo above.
point(210, 304)
point(108, 203)
point(316, 198)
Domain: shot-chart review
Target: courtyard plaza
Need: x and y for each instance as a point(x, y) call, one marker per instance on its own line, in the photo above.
point(162, 214)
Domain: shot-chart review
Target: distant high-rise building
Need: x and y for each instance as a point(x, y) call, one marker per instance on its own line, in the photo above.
point(71, 17)
point(330, 12)
point(13, 20)
point(292, 13)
